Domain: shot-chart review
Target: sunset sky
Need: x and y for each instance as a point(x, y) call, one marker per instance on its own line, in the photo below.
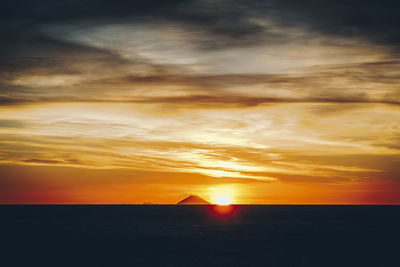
point(269, 102)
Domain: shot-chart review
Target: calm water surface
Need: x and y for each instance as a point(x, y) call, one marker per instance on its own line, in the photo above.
point(163, 235)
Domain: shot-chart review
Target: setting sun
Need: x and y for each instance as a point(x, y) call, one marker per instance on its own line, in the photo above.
point(222, 200)
point(222, 195)
point(200, 132)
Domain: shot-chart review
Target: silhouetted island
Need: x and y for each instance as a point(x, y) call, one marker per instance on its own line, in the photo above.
point(193, 200)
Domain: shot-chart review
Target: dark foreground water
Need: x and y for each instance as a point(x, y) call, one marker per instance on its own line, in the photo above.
point(155, 235)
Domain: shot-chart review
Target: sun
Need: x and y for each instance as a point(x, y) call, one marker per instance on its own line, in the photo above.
point(222, 195)
point(222, 200)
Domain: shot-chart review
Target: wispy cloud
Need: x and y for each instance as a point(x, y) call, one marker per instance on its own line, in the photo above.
point(251, 91)
point(199, 51)
point(262, 143)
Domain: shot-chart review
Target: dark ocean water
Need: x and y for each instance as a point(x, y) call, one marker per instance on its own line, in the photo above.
point(159, 235)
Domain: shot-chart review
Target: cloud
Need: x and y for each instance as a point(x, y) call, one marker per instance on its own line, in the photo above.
point(266, 143)
point(217, 24)
point(11, 124)
point(227, 52)
point(250, 90)
point(348, 83)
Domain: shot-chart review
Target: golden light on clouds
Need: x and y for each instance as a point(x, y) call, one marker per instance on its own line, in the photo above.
point(265, 144)
point(216, 142)
point(223, 195)
point(269, 98)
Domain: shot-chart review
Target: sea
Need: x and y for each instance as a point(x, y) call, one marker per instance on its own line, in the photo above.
point(199, 235)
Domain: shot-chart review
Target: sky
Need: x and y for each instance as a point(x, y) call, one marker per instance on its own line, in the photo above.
point(266, 102)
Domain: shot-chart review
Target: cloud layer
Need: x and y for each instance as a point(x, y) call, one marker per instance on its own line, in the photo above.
point(266, 92)
point(199, 50)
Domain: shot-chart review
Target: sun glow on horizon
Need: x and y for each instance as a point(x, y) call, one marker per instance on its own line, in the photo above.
point(222, 200)
point(223, 195)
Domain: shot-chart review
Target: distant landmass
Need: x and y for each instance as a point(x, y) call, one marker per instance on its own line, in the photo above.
point(193, 200)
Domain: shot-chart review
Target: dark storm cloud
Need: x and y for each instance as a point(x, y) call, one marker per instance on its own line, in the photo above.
point(223, 22)
point(27, 49)
point(234, 20)
point(374, 20)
